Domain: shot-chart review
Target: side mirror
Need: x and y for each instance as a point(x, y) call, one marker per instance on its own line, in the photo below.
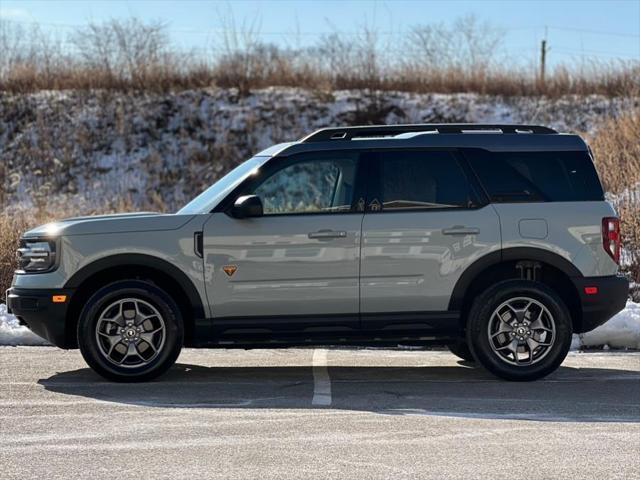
point(247, 206)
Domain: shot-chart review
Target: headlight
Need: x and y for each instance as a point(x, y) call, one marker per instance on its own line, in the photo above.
point(36, 255)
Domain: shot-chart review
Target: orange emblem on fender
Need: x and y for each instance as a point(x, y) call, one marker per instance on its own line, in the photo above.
point(229, 269)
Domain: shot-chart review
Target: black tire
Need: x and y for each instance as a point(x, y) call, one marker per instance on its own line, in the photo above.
point(160, 358)
point(478, 326)
point(461, 350)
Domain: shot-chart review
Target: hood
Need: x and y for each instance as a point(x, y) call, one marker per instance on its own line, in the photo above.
point(115, 223)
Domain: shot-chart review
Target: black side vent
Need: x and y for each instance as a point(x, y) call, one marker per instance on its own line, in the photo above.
point(198, 244)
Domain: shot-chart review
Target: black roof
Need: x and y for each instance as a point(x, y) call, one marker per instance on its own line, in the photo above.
point(493, 137)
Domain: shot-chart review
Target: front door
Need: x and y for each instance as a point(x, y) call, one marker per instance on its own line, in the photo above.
point(423, 227)
point(296, 268)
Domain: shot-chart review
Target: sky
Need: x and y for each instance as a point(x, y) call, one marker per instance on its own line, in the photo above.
point(575, 29)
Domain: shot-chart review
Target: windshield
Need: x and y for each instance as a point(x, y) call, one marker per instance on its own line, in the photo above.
point(207, 200)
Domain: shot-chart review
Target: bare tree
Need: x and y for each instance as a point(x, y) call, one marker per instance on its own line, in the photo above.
point(467, 46)
point(31, 58)
point(335, 56)
point(127, 50)
point(355, 59)
point(13, 45)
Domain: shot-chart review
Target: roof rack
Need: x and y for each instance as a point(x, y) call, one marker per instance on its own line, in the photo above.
point(372, 131)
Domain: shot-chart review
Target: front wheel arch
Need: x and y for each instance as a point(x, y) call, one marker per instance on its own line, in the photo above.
point(106, 270)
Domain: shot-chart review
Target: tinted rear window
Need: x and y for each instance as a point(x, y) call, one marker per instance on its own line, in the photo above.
point(422, 179)
point(537, 176)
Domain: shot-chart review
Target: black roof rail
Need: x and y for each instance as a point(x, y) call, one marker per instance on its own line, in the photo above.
point(369, 131)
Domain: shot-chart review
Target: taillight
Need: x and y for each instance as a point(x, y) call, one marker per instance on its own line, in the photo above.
point(611, 237)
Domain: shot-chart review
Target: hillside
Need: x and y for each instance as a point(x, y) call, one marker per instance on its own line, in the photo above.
point(96, 151)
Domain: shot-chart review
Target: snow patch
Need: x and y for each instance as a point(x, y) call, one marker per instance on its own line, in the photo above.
point(622, 331)
point(12, 333)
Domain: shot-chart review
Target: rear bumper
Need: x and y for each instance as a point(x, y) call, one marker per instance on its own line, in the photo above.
point(611, 298)
point(36, 310)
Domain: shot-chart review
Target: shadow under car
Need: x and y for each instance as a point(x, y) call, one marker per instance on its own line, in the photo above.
point(570, 394)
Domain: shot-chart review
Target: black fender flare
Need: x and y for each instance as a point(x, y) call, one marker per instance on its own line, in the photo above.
point(141, 260)
point(456, 302)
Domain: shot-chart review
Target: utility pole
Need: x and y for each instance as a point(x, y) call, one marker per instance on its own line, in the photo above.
point(543, 58)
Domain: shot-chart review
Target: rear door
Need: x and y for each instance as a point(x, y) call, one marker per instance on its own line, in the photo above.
point(296, 268)
point(424, 224)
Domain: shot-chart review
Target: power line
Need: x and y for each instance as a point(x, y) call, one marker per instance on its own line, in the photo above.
point(219, 30)
point(587, 53)
point(556, 49)
point(580, 50)
point(46, 24)
point(320, 33)
point(596, 32)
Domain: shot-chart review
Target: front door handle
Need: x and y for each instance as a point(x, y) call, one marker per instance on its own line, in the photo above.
point(327, 234)
point(460, 230)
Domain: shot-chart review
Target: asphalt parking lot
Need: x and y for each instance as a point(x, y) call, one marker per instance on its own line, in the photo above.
point(306, 413)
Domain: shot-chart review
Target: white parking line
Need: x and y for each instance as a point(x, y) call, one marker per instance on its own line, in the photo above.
point(321, 380)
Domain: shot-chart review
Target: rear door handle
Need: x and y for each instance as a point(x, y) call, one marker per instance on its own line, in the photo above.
point(459, 230)
point(327, 234)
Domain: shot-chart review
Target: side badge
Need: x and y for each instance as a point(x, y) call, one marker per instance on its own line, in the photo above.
point(230, 270)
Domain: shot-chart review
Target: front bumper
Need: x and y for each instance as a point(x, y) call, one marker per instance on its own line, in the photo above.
point(611, 297)
point(36, 309)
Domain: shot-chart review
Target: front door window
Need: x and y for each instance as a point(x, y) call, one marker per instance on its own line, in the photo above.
point(309, 186)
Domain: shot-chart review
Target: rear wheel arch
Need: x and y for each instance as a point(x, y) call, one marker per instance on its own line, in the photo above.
point(106, 270)
point(555, 272)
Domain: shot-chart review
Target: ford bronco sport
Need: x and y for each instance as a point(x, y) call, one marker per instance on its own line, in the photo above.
point(493, 239)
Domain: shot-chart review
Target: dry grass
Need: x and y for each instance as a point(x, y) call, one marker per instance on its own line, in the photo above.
point(11, 227)
point(467, 56)
point(616, 146)
point(606, 79)
point(630, 215)
point(272, 67)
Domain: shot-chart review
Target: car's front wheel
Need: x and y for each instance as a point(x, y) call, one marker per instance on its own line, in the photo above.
point(130, 331)
point(519, 330)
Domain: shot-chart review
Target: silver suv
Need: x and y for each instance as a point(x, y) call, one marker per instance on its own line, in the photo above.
point(492, 239)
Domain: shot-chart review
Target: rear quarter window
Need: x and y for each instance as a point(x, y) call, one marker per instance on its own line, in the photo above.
point(536, 176)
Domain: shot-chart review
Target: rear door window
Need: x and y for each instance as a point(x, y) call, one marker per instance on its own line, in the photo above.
point(536, 176)
point(410, 180)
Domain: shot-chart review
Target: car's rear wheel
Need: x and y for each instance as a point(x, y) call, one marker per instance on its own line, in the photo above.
point(461, 350)
point(519, 330)
point(130, 331)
